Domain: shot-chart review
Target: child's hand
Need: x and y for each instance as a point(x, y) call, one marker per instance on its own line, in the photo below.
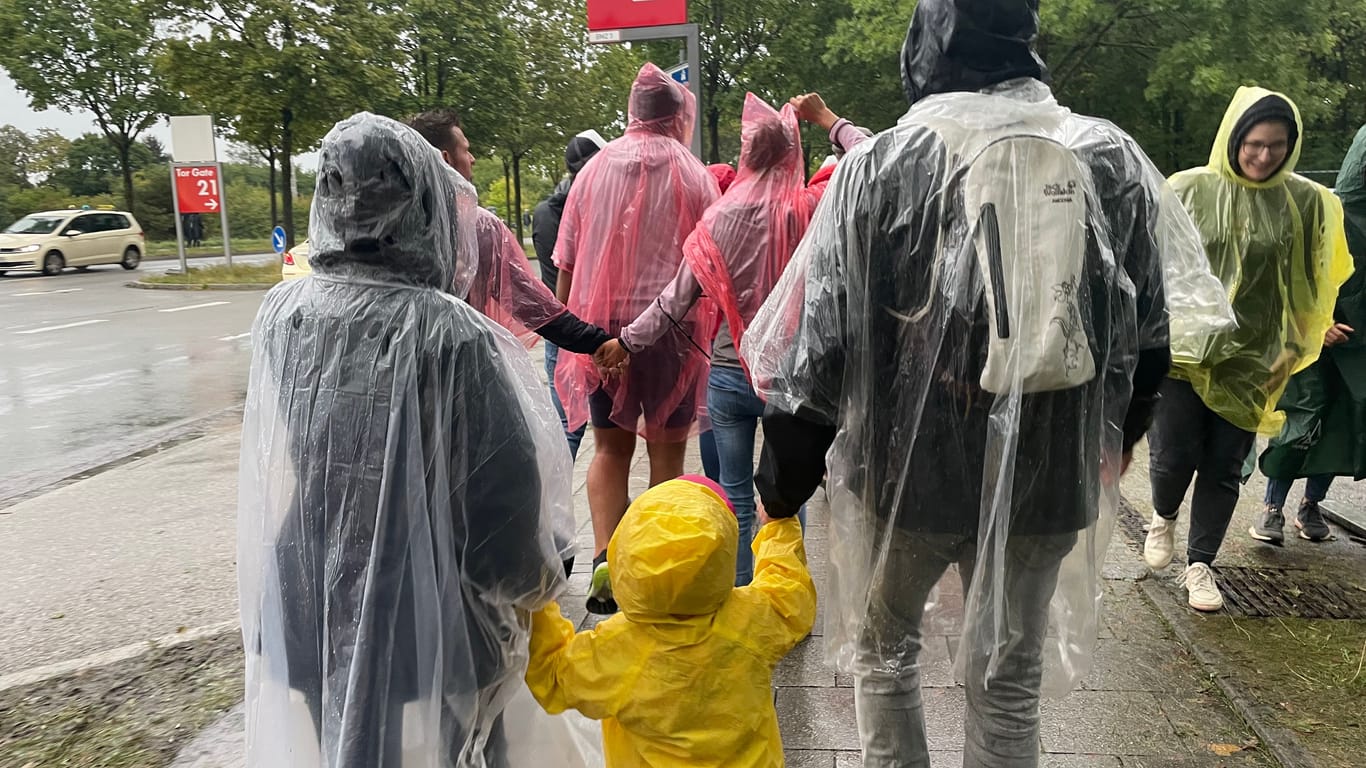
point(760, 514)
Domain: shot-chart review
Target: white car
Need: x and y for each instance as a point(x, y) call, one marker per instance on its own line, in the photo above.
point(294, 263)
point(54, 240)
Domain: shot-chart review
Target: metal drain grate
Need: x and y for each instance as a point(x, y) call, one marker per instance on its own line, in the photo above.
point(1131, 523)
point(1268, 592)
point(1279, 592)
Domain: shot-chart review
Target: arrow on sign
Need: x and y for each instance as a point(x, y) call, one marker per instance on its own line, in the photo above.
point(211, 204)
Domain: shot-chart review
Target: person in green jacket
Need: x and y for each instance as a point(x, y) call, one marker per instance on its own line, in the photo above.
point(1276, 242)
point(1325, 405)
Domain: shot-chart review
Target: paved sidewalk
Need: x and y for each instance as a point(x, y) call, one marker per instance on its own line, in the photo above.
point(144, 549)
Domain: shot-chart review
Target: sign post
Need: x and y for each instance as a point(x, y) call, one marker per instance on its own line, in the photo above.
point(197, 177)
point(628, 21)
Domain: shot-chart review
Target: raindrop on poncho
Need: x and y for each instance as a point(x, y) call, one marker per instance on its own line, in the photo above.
point(949, 435)
point(1279, 249)
point(404, 488)
point(621, 236)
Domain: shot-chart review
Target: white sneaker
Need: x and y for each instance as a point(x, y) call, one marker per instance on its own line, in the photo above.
point(1157, 550)
point(1202, 591)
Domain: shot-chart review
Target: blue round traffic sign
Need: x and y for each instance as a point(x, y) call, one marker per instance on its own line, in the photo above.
point(277, 239)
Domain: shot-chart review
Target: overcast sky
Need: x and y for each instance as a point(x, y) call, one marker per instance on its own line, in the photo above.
point(15, 110)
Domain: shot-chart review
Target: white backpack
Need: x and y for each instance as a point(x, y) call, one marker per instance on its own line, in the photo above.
point(1020, 201)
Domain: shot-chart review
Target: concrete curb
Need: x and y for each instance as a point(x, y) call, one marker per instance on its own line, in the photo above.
point(201, 286)
point(152, 443)
point(1279, 742)
point(113, 656)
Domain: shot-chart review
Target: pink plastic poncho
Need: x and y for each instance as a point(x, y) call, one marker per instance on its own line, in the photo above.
point(504, 287)
point(747, 238)
point(621, 238)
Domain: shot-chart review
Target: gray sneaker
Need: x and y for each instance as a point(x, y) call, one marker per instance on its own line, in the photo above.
point(1271, 526)
point(1310, 522)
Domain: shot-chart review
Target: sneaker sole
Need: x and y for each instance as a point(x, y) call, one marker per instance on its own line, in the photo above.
point(601, 606)
point(1205, 607)
point(1270, 539)
point(1307, 537)
point(600, 600)
point(1157, 566)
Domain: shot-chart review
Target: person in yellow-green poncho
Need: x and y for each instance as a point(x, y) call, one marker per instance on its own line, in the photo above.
point(682, 676)
point(1276, 242)
point(1325, 405)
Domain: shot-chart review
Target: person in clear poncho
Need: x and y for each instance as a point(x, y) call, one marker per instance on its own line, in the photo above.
point(1275, 240)
point(1325, 404)
point(877, 349)
point(620, 243)
point(403, 482)
point(735, 256)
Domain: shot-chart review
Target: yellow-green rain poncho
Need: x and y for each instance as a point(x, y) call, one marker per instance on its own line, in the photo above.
point(1279, 249)
point(683, 675)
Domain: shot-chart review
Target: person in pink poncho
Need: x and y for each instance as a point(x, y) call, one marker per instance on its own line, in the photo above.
point(505, 289)
point(735, 257)
point(620, 243)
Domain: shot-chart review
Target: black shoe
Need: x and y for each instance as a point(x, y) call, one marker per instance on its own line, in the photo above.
point(1271, 527)
point(1311, 523)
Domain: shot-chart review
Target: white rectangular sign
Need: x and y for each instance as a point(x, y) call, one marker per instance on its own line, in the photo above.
point(192, 139)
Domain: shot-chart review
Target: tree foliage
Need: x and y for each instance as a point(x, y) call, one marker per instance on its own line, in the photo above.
point(97, 56)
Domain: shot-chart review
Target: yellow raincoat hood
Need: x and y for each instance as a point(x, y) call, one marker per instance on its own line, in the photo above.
point(1221, 154)
point(1279, 249)
point(674, 553)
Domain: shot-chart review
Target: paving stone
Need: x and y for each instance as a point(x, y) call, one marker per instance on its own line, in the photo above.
point(1110, 723)
point(817, 718)
point(804, 758)
point(805, 666)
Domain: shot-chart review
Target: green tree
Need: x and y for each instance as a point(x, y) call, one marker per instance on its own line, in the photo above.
point(93, 167)
point(94, 56)
point(278, 74)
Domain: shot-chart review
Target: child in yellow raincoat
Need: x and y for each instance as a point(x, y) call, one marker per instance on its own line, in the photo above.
point(682, 676)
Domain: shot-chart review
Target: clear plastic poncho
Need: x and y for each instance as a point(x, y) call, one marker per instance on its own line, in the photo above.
point(404, 489)
point(504, 287)
point(1279, 249)
point(747, 238)
point(621, 235)
point(881, 327)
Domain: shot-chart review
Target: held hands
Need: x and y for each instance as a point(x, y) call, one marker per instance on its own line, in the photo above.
point(760, 514)
point(1339, 333)
point(612, 358)
point(811, 108)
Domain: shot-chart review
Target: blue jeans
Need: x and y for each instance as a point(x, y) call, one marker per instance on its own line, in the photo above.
point(552, 357)
point(735, 413)
point(1315, 489)
point(711, 463)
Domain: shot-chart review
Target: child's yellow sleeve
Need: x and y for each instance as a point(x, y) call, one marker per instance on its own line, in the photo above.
point(781, 577)
point(566, 669)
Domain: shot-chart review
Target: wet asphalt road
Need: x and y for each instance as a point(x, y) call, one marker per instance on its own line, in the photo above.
point(91, 370)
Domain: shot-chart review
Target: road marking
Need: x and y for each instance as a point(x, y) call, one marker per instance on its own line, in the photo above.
point(59, 327)
point(194, 306)
point(44, 293)
point(235, 338)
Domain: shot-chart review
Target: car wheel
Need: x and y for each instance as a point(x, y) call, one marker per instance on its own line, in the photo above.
point(131, 258)
point(53, 264)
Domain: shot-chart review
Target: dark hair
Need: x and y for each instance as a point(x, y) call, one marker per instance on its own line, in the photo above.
point(768, 146)
point(656, 102)
point(435, 126)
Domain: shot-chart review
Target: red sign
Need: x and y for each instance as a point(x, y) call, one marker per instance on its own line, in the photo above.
point(625, 14)
point(196, 187)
